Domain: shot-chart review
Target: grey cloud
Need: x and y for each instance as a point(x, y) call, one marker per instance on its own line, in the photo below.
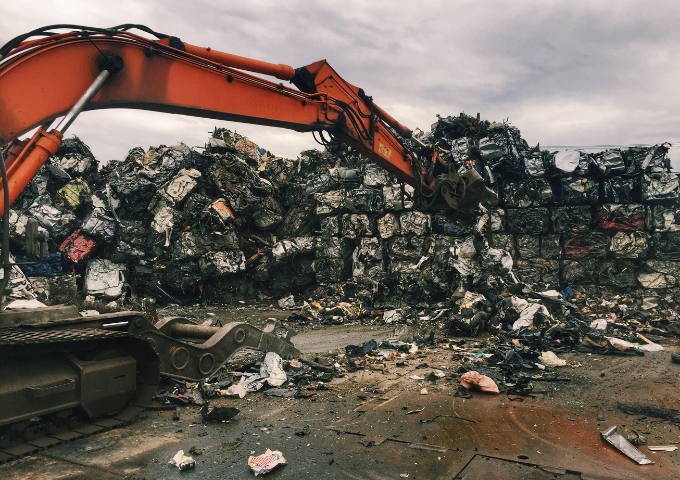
point(568, 73)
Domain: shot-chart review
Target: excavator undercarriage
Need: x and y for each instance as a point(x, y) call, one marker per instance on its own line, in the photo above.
point(65, 377)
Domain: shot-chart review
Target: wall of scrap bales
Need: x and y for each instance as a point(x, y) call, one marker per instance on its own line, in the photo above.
point(234, 222)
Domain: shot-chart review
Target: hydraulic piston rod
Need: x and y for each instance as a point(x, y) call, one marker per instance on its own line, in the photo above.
point(82, 101)
point(45, 144)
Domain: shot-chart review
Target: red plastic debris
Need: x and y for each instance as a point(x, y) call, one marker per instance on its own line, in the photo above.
point(77, 246)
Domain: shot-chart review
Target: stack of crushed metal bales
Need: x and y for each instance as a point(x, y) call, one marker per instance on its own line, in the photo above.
point(571, 218)
point(234, 222)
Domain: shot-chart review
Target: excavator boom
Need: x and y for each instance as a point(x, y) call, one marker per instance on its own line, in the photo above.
point(42, 79)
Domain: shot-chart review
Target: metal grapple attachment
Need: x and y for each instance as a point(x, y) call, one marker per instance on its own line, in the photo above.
point(195, 352)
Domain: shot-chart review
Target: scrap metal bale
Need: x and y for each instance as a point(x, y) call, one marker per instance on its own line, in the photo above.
point(124, 253)
point(414, 222)
point(551, 247)
point(592, 244)
point(660, 186)
point(331, 226)
point(348, 178)
point(665, 245)
point(330, 203)
point(439, 273)
point(100, 226)
point(133, 232)
point(388, 226)
point(659, 274)
point(184, 277)
point(77, 247)
point(492, 148)
point(174, 192)
point(222, 263)
point(621, 217)
point(528, 221)
point(332, 270)
point(504, 241)
point(619, 273)
point(249, 149)
point(499, 150)
point(175, 158)
point(569, 162)
point(608, 163)
point(571, 219)
point(409, 249)
point(497, 219)
point(104, 278)
point(338, 178)
point(662, 218)
point(579, 191)
point(134, 191)
point(534, 163)
point(356, 226)
point(53, 219)
point(376, 176)
point(532, 192)
point(164, 222)
point(267, 214)
point(461, 152)
point(279, 171)
point(536, 271)
point(296, 274)
point(191, 245)
point(367, 261)
point(72, 194)
point(528, 246)
point(365, 200)
point(629, 245)
point(334, 247)
point(398, 197)
point(453, 224)
point(76, 159)
point(284, 249)
point(624, 189)
point(260, 269)
point(300, 220)
point(650, 160)
point(580, 272)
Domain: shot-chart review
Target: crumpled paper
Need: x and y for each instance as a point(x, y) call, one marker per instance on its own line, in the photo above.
point(183, 462)
point(266, 462)
point(475, 379)
point(272, 369)
point(549, 359)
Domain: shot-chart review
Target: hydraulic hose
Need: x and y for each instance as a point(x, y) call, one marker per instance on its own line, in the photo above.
point(5, 231)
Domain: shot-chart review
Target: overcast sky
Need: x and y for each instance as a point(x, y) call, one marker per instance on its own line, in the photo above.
point(576, 73)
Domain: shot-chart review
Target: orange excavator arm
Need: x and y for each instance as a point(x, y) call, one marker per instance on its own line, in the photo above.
point(46, 75)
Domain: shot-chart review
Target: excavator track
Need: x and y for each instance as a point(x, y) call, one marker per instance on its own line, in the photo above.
point(83, 364)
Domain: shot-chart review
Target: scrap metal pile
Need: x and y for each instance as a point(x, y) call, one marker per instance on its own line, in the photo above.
point(234, 222)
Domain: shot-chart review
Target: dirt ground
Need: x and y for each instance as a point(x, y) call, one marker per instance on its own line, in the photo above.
point(378, 425)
